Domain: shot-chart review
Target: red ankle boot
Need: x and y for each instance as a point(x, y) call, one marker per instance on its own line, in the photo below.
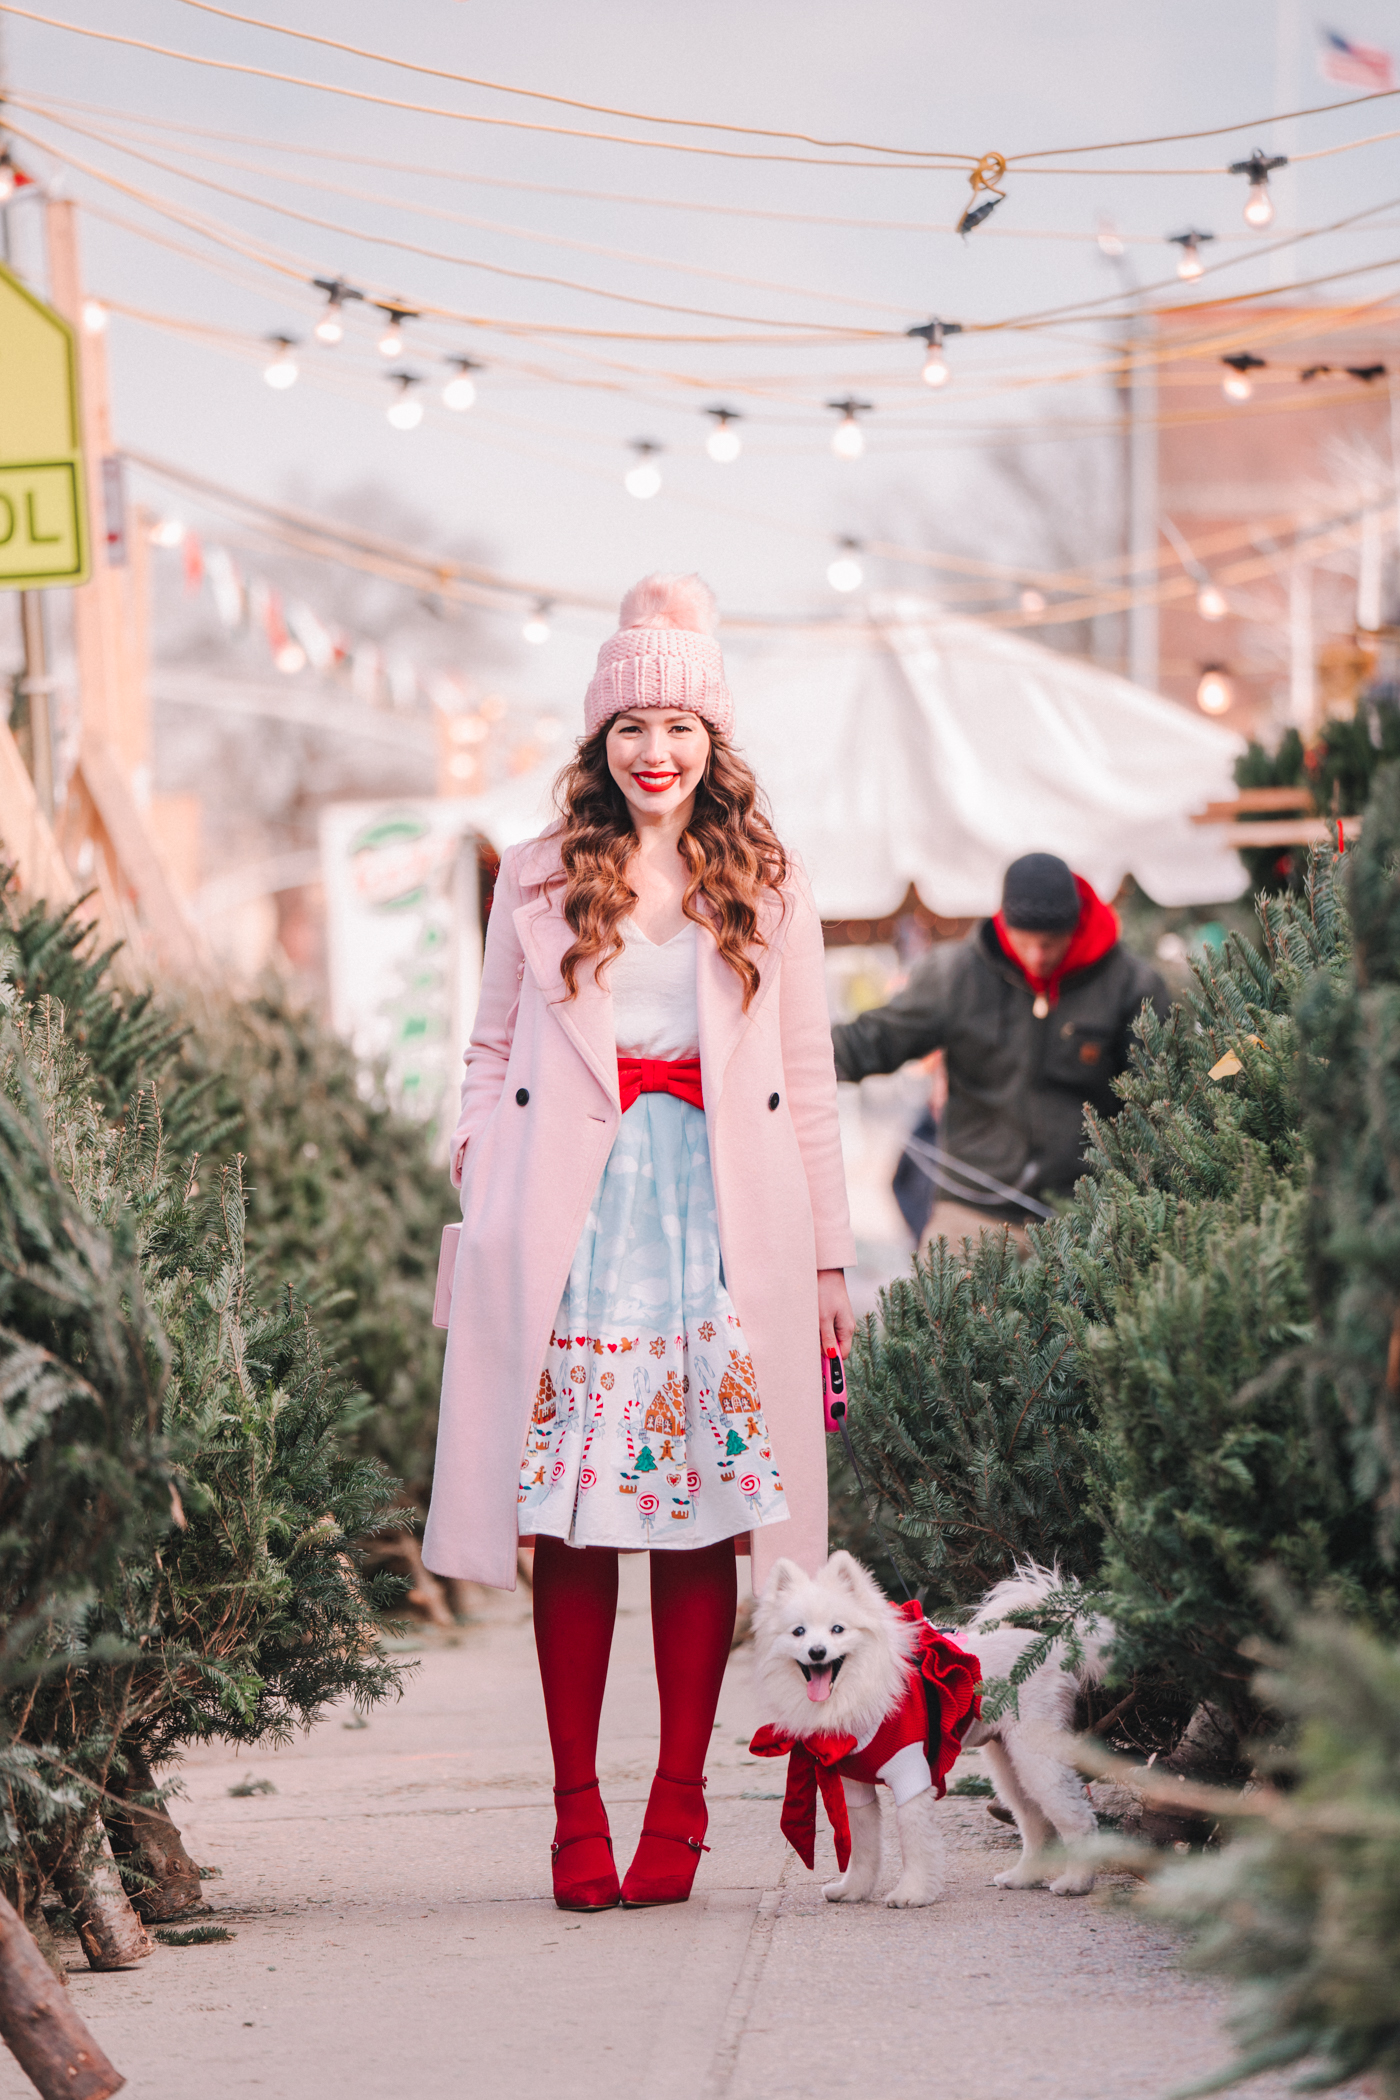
point(669, 1853)
point(584, 1879)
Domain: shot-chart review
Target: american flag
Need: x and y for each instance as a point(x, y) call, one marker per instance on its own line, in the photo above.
point(1355, 65)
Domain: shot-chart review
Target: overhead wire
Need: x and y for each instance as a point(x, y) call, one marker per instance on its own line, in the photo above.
point(922, 155)
point(417, 248)
point(428, 109)
point(422, 208)
point(808, 331)
point(597, 109)
point(420, 170)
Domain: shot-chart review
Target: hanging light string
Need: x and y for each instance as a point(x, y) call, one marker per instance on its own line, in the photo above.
point(466, 583)
point(417, 248)
point(562, 442)
point(419, 207)
point(808, 332)
point(1170, 351)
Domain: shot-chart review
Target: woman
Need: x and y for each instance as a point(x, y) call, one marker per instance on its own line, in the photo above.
point(654, 1226)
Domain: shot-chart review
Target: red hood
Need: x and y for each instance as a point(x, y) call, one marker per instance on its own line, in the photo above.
point(1098, 931)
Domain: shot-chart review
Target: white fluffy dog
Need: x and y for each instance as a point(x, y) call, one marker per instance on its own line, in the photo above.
point(833, 1658)
point(1043, 1793)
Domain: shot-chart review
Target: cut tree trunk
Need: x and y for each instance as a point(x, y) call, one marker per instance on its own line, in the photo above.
point(161, 1879)
point(39, 2025)
point(112, 1935)
point(1208, 1754)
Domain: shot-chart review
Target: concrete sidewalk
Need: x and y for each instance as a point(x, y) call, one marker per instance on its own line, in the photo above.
point(395, 1932)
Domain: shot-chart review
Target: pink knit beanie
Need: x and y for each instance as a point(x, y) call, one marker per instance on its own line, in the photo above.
point(664, 654)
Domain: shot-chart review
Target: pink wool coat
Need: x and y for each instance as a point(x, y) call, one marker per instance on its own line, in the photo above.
point(540, 1110)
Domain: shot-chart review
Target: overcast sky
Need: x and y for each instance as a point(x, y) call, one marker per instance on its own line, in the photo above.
point(533, 474)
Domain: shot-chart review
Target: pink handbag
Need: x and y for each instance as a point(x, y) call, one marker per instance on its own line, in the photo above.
point(447, 1263)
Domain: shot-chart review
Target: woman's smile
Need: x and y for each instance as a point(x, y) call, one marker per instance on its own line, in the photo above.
point(655, 783)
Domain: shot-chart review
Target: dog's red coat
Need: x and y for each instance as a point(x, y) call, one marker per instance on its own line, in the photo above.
point(938, 1701)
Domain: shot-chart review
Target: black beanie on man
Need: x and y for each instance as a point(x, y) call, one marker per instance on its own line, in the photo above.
point(1039, 896)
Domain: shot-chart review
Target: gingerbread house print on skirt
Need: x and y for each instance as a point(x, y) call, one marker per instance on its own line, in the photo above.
point(648, 1426)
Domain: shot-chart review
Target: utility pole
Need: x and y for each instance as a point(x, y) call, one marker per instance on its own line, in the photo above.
point(1137, 389)
point(36, 685)
point(104, 832)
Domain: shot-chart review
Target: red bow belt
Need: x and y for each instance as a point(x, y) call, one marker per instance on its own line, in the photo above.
point(659, 1075)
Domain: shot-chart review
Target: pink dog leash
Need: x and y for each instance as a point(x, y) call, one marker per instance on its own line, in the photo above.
point(834, 1416)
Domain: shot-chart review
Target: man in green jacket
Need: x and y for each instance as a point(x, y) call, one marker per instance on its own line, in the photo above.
point(1034, 1012)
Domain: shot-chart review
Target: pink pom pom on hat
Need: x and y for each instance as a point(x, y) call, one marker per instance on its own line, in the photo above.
point(664, 654)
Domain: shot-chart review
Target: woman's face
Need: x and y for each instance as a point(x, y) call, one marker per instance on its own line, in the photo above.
point(657, 758)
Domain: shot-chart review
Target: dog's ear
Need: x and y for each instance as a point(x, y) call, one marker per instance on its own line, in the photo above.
point(857, 1581)
point(784, 1576)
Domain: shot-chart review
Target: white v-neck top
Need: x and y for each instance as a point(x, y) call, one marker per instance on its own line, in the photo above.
point(653, 994)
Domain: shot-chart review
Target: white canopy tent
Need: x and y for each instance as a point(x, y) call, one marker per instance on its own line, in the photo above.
point(918, 747)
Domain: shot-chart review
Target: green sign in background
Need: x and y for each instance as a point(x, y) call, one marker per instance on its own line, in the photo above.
point(43, 505)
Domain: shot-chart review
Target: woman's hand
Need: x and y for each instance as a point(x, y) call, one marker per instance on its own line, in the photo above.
point(838, 1322)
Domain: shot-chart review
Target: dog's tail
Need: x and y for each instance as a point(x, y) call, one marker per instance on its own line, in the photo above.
point(1034, 1584)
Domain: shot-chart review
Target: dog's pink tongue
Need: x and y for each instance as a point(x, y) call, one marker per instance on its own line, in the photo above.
point(819, 1684)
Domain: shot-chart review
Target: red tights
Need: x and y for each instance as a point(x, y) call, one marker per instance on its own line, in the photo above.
point(693, 1596)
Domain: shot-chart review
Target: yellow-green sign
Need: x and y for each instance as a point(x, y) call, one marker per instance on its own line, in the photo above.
point(43, 500)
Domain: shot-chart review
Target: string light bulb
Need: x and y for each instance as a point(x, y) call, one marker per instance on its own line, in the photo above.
point(723, 443)
point(330, 329)
point(1188, 263)
point(536, 628)
point(1258, 204)
point(1210, 601)
point(460, 393)
point(391, 341)
point(845, 573)
point(1110, 241)
point(644, 479)
point(1237, 384)
point(282, 371)
point(94, 317)
point(9, 179)
point(848, 439)
point(937, 371)
point(166, 532)
point(1214, 692)
point(404, 411)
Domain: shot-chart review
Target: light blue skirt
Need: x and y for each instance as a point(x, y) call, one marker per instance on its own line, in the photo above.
point(647, 1428)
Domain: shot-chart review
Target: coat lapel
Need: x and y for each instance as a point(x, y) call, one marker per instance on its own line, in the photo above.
point(720, 995)
point(546, 936)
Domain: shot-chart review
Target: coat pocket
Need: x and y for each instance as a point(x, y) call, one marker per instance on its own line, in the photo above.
point(447, 1263)
point(1079, 1055)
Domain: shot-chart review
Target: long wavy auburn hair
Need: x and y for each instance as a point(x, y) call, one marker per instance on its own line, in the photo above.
point(732, 851)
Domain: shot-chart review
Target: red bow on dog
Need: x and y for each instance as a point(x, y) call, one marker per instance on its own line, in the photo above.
point(812, 1762)
point(659, 1075)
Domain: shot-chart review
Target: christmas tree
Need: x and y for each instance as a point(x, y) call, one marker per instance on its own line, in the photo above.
point(345, 1200)
point(1302, 1909)
point(1135, 1401)
point(248, 1616)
